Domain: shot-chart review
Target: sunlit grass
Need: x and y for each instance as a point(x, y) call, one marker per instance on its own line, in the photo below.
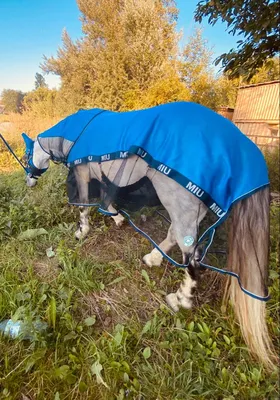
point(111, 335)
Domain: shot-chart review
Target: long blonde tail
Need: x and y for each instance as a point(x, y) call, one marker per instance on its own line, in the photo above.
point(248, 257)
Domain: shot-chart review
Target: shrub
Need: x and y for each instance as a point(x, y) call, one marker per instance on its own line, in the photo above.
point(273, 162)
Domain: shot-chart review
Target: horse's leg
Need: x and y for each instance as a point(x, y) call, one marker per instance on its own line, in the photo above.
point(117, 218)
point(84, 228)
point(155, 257)
point(110, 170)
point(186, 212)
point(82, 179)
point(183, 296)
point(186, 229)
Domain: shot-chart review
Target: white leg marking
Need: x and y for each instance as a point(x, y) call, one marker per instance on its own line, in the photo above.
point(183, 296)
point(172, 301)
point(84, 224)
point(82, 232)
point(118, 220)
point(153, 259)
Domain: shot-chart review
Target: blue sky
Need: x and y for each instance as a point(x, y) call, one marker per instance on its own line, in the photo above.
point(31, 28)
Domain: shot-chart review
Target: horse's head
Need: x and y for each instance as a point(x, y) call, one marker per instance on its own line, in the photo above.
point(35, 159)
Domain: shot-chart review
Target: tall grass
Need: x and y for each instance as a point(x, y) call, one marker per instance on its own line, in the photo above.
point(26, 122)
point(17, 124)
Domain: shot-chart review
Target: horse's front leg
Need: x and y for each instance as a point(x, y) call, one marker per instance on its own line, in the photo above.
point(155, 257)
point(82, 179)
point(83, 229)
point(119, 219)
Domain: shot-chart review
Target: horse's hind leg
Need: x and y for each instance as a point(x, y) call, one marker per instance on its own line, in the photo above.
point(183, 296)
point(155, 257)
point(186, 231)
point(186, 212)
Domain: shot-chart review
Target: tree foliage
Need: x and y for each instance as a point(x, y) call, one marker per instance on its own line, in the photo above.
point(257, 23)
point(12, 100)
point(42, 102)
point(199, 77)
point(165, 90)
point(196, 70)
point(270, 71)
point(127, 45)
point(130, 57)
point(40, 81)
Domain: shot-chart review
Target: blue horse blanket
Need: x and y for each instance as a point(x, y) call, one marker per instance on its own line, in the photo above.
point(198, 148)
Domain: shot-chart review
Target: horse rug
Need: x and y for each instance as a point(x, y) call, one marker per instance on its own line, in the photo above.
point(201, 150)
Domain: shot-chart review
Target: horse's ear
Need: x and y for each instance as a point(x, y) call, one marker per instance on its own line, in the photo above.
point(28, 141)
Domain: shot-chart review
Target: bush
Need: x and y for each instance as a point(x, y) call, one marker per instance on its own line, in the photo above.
point(273, 162)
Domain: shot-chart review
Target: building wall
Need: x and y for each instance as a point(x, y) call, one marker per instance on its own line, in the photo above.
point(258, 103)
point(256, 113)
point(226, 112)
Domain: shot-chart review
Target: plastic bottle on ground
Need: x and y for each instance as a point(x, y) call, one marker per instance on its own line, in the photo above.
point(14, 329)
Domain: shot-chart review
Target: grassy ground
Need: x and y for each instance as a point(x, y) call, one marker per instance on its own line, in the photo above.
point(110, 334)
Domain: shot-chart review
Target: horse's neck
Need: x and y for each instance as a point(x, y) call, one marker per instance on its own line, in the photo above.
point(40, 158)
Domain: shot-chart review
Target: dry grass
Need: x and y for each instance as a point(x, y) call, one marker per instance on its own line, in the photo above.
point(46, 270)
point(11, 127)
point(25, 122)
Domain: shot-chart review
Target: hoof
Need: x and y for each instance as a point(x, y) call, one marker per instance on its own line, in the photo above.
point(175, 304)
point(172, 301)
point(78, 234)
point(153, 259)
point(119, 223)
point(119, 220)
point(186, 303)
point(81, 233)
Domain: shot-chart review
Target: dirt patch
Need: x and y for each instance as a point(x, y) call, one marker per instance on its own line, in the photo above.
point(121, 303)
point(47, 270)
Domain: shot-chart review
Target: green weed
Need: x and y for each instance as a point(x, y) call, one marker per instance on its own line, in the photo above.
point(272, 158)
point(110, 334)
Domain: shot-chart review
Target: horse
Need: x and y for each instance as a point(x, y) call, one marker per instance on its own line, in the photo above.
point(193, 160)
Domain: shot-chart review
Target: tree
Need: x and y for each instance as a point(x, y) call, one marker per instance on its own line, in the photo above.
point(162, 91)
point(256, 21)
point(41, 103)
point(40, 81)
point(12, 100)
point(270, 71)
point(128, 46)
point(197, 71)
